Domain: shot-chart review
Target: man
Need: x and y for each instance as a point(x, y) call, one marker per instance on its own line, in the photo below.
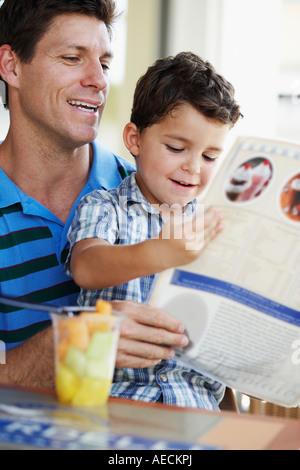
point(54, 58)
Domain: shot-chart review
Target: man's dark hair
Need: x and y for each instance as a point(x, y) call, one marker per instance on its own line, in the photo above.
point(185, 78)
point(24, 22)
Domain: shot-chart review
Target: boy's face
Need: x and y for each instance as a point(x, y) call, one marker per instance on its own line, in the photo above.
point(63, 90)
point(176, 158)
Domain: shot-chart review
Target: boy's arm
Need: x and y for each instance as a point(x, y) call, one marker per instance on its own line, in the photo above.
point(96, 264)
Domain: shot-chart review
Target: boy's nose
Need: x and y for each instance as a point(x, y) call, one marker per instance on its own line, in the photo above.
point(192, 164)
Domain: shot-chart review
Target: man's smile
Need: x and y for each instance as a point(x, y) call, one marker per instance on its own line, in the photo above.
point(85, 106)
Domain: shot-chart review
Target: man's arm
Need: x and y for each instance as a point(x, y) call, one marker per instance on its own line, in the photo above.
point(32, 363)
point(143, 333)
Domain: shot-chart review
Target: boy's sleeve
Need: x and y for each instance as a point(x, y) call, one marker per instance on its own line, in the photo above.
point(96, 217)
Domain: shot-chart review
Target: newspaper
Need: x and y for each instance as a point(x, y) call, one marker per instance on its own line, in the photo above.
point(240, 301)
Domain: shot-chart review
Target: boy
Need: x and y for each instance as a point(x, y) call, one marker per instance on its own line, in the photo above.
point(181, 115)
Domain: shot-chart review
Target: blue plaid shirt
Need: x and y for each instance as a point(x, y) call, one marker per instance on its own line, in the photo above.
point(124, 216)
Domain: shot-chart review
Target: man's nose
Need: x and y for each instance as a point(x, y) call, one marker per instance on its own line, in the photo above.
point(94, 76)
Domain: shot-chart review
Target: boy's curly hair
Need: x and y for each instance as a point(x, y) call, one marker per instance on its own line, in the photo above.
point(184, 78)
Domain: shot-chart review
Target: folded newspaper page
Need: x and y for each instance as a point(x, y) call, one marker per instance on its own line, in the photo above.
point(240, 301)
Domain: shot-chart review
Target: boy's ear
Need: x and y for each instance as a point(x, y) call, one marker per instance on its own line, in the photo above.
point(8, 65)
point(131, 137)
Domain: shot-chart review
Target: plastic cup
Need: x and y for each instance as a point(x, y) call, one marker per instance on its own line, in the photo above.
point(85, 355)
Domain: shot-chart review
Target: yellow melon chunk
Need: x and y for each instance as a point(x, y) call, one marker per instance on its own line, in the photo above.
point(92, 392)
point(67, 384)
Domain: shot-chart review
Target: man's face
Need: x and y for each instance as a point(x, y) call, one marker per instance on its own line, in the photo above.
point(63, 90)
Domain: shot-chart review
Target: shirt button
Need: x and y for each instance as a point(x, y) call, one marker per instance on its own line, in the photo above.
point(163, 378)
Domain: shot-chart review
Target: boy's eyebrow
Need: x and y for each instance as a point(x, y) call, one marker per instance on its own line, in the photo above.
point(185, 140)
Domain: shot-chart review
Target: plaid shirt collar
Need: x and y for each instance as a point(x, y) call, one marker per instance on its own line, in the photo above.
point(130, 194)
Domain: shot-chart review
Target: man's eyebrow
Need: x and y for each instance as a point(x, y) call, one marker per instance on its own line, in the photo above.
point(107, 54)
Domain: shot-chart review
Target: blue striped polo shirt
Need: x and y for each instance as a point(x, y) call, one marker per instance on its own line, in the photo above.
point(34, 247)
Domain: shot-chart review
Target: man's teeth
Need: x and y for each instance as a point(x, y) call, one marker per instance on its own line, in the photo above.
point(91, 108)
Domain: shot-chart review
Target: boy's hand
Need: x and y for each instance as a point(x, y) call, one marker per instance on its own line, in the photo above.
point(183, 239)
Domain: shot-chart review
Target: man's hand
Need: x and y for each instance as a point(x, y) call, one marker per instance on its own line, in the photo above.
point(148, 335)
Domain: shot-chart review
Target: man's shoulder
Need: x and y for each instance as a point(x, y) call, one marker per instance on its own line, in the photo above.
point(109, 169)
point(105, 154)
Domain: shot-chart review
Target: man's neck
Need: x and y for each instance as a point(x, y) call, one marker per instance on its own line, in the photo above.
point(53, 177)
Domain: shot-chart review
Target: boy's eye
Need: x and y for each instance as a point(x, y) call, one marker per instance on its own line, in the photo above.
point(174, 149)
point(208, 158)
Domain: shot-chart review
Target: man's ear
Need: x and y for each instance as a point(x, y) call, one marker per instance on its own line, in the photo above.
point(131, 137)
point(8, 63)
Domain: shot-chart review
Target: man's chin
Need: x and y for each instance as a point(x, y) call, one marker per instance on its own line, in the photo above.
point(81, 139)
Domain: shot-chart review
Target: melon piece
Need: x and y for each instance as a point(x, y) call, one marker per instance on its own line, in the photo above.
point(98, 369)
point(92, 392)
point(100, 345)
point(67, 384)
point(78, 333)
point(103, 307)
point(97, 321)
point(62, 349)
point(75, 360)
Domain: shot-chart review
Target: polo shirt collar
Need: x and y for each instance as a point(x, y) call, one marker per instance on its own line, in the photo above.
point(9, 193)
point(104, 174)
point(104, 171)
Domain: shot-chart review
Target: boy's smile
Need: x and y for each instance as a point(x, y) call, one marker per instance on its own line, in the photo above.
point(176, 157)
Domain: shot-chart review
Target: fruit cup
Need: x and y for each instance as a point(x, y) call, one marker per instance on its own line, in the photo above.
point(85, 354)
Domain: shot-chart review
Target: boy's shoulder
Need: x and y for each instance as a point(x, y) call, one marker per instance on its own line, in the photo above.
point(115, 195)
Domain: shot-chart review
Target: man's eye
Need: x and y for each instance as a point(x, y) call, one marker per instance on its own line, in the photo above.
point(72, 59)
point(105, 67)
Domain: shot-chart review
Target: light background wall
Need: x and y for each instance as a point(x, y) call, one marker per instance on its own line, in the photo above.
point(254, 44)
